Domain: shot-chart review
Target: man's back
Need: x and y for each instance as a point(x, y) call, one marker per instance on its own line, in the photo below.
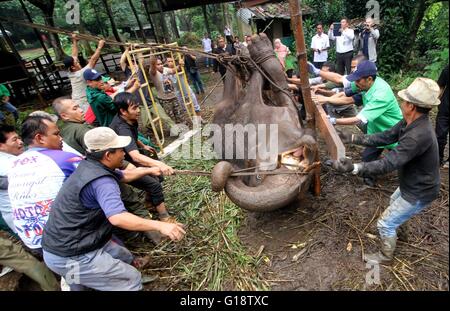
point(102, 105)
point(34, 181)
point(73, 135)
point(206, 43)
point(380, 107)
point(421, 174)
point(78, 86)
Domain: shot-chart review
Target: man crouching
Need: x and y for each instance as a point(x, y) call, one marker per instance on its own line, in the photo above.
point(77, 240)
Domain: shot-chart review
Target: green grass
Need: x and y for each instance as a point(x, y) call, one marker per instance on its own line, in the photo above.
point(212, 255)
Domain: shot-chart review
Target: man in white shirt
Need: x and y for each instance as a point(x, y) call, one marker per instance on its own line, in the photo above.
point(320, 44)
point(10, 147)
point(35, 178)
point(207, 48)
point(228, 35)
point(344, 47)
point(75, 74)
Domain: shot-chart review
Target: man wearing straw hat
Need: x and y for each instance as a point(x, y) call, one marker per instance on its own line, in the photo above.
point(415, 157)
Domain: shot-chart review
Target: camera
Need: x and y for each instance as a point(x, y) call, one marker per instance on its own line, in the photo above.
point(359, 28)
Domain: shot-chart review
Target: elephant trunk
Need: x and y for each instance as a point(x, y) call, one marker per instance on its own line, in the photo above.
point(275, 192)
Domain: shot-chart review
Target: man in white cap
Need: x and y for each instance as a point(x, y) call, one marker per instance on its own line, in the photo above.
point(77, 241)
point(415, 157)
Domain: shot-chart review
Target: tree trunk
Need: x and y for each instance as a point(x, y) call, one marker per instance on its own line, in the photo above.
point(415, 25)
point(97, 19)
point(86, 46)
point(47, 7)
point(54, 40)
point(163, 21)
point(205, 17)
point(141, 29)
point(150, 20)
point(173, 23)
point(113, 24)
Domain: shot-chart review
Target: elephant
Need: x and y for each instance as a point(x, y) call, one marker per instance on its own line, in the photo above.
point(253, 96)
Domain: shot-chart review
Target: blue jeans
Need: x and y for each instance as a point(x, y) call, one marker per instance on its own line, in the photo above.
point(208, 61)
point(398, 212)
point(10, 108)
point(197, 81)
point(107, 269)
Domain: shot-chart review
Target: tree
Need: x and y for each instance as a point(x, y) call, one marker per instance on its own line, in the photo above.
point(400, 22)
point(47, 7)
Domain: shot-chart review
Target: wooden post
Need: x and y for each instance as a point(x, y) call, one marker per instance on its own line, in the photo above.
point(141, 29)
point(113, 24)
point(36, 32)
point(315, 115)
point(297, 29)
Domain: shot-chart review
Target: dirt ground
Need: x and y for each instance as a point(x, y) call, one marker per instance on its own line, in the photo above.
point(318, 243)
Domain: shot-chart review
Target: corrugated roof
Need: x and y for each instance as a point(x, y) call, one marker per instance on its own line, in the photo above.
point(276, 10)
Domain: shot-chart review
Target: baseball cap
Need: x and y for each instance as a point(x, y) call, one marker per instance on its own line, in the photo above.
point(104, 138)
point(364, 69)
point(422, 92)
point(91, 74)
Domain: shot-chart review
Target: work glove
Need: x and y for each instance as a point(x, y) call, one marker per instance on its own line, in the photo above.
point(332, 120)
point(344, 165)
point(313, 69)
point(347, 138)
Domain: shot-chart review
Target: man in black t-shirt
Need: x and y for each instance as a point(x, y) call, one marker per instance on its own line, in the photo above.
point(125, 123)
point(442, 116)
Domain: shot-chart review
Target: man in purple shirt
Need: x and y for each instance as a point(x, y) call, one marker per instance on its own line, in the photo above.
point(77, 239)
point(36, 177)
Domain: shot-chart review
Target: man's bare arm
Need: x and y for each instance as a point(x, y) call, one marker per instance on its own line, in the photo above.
point(74, 45)
point(96, 55)
point(149, 162)
point(348, 121)
point(332, 77)
point(336, 99)
point(123, 60)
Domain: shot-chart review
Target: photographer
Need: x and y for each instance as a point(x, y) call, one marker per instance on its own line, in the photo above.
point(344, 46)
point(368, 40)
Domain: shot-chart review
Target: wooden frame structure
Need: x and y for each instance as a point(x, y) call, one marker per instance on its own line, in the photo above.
point(138, 56)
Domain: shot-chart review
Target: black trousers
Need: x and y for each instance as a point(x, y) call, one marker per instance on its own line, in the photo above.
point(344, 62)
point(319, 64)
point(152, 186)
point(442, 127)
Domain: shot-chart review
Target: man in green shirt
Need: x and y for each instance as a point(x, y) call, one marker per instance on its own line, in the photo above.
point(73, 127)
point(101, 103)
point(380, 108)
point(5, 105)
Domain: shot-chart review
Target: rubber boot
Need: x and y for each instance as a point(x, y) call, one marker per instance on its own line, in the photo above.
point(386, 254)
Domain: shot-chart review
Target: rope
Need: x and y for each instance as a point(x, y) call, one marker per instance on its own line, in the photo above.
point(224, 59)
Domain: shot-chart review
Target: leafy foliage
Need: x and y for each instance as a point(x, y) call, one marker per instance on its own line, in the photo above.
point(189, 39)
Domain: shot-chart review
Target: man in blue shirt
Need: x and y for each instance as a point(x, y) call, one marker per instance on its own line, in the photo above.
point(77, 240)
